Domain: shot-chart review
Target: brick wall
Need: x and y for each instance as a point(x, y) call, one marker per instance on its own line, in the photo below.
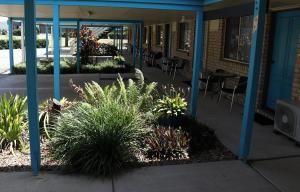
point(214, 55)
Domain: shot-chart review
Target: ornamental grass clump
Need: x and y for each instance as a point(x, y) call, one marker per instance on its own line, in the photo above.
point(99, 140)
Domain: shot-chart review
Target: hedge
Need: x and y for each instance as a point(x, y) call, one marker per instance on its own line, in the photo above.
point(40, 43)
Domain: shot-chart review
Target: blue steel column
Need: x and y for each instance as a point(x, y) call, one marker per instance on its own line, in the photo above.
point(197, 62)
point(47, 42)
point(10, 44)
point(56, 50)
point(134, 45)
point(253, 77)
point(141, 27)
point(78, 48)
point(31, 77)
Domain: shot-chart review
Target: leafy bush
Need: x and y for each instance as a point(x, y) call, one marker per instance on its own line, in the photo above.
point(137, 94)
point(107, 66)
point(12, 125)
point(16, 32)
point(167, 144)
point(172, 104)
point(41, 43)
point(3, 44)
point(120, 59)
point(107, 50)
point(65, 68)
point(100, 139)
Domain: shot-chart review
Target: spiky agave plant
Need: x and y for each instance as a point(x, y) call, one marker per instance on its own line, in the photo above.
point(12, 125)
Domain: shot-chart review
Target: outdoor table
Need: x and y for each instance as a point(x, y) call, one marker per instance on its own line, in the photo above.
point(221, 77)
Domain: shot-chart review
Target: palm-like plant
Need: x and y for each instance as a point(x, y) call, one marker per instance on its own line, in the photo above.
point(12, 116)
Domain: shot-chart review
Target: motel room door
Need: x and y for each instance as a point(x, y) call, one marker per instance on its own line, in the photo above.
point(286, 38)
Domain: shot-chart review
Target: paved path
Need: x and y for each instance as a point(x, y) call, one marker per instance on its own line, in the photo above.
point(225, 176)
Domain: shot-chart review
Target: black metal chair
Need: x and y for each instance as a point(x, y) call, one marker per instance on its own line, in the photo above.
point(209, 79)
point(240, 88)
point(177, 65)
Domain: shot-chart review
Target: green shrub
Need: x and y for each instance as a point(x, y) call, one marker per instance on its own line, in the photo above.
point(107, 50)
point(65, 68)
point(41, 43)
point(172, 104)
point(167, 144)
point(16, 44)
point(3, 44)
point(12, 125)
point(137, 94)
point(98, 140)
point(107, 66)
point(16, 32)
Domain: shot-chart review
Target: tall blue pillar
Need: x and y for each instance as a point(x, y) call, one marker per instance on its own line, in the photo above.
point(31, 78)
point(141, 27)
point(197, 62)
point(134, 45)
point(10, 44)
point(56, 50)
point(47, 42)
point(78, 48)
point(253, 77)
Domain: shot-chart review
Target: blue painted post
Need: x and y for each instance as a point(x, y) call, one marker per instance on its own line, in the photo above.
point(78, 48)
point(47, 42)
point(56, 50)
point(141, 27)
point(197, 62)
point(10, 44)
point(31, 78)
point(134, 45)
point(253, 77)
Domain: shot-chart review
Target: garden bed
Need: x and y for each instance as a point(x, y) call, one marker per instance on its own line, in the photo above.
point(109, 129)
point(205, 147)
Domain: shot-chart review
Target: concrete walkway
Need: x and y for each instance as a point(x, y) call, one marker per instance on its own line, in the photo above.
point(226, 176)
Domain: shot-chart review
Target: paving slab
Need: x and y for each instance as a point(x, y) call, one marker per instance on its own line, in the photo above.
point(48, 182)
point(283, 173)
point(225, 176)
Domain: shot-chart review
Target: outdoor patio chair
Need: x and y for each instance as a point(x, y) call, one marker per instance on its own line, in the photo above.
point(177, 65)
point(209, 78)
point(204, 79)
point(240, 88)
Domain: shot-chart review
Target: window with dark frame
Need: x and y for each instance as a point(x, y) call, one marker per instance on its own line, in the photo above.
point(238, 36)
point(159, 35)
point(184, 40)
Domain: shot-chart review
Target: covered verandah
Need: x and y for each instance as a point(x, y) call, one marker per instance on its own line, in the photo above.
point(143, 10)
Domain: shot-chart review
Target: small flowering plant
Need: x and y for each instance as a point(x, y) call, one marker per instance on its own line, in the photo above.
point(173, 103)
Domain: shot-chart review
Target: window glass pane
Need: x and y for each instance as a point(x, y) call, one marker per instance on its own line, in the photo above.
point(245, 39)
point(231, 38)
